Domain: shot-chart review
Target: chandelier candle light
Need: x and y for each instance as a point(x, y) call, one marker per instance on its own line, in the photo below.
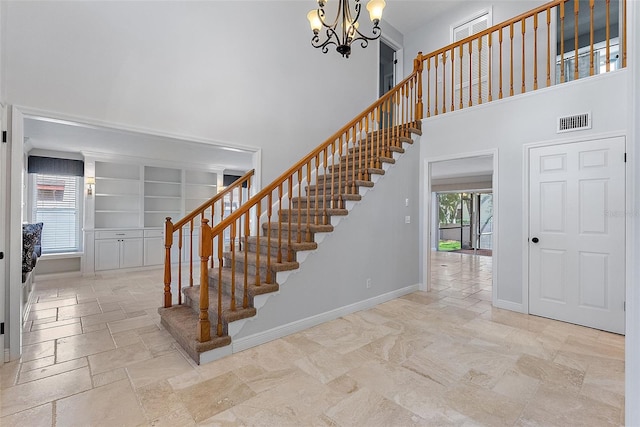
point(344, 29)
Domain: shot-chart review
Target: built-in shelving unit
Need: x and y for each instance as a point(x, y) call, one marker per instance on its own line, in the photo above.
point(131, 203)
point(162, 195)
point(117, 195)
point(200, 186)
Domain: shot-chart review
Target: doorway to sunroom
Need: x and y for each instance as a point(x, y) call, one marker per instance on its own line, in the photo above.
point(465, 222)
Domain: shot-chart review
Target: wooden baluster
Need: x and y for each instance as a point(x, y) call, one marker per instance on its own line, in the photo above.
point(204, 326)
point(523, 89)
point(245, 285)
point(453, 73)
point(212, 220)
point(576, 11)
point(428, 86)
point(535, 51)
point(461, 50)
point(220, 238)
point(279, 222)
point(376, 137)
point(479, 70)
point(340, 175)
point(352, 187)
point(436, 61)
point(233, 267)
point(562, 77)
point(309, 197)
point(324, 189)
point(168, 242)
point(246, 270)
point(591, 6)
point(500, 67)
point(490, 96)
point(511, 60)
point(308, 213)
point(444, 82)
point(369, 147)
point(607, 34)
point(548, 47)
point(362, 161)
point(269, 211)
point(290, 192)
point(418, 66)
point(240, 201)
point(190, 251)
point(470, 73)
point(326, 171)
point(180, 240)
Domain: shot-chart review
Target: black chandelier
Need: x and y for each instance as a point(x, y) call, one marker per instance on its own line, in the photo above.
point(344, 29)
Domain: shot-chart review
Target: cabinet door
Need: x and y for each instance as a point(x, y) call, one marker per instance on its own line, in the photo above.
point(130, 253)
point(107, 256)
point(153, 250)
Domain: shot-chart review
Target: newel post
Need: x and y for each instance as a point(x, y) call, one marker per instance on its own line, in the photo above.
point(168, 242)
point(206, 247)
point(417, 68)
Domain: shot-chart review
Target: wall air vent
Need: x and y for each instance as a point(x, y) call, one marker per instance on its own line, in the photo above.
point(575, 122)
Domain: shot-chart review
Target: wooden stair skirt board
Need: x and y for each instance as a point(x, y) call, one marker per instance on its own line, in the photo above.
point(181, 320)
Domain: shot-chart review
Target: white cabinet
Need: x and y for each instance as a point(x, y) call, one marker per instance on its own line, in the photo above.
point(153, 247)
point(118, 249)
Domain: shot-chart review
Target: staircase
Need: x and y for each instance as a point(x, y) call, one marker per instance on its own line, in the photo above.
point(309, 215)
point(245, 256)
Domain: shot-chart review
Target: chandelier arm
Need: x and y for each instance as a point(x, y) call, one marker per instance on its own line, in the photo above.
point(376, 31)
point(331, 34)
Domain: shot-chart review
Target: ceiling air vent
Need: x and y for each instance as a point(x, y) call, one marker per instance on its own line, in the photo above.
point(575, 122)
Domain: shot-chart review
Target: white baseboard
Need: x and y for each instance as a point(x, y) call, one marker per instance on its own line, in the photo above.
point(509, 305)
point(244, 343)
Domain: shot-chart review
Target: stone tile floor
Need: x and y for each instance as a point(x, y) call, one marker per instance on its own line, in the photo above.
point(95, 354)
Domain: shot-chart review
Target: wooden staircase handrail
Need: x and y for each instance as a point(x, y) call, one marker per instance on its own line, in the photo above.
point(319, 149)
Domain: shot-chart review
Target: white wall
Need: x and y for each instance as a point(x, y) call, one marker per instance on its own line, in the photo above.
point(373, 241)
point(632, 341)
point(436, 33)
point(508, 124)
point(226, 71)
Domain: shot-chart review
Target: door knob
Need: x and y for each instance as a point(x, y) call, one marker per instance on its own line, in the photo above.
point(535, 240)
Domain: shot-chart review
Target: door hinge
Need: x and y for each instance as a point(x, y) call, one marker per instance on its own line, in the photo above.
point(4, 136)
point(2, 328)
point(624, 306)
point(1, 255)
point(625, 157)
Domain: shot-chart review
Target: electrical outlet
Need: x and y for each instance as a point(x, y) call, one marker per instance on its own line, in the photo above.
point(368, 284)
point(407, 219)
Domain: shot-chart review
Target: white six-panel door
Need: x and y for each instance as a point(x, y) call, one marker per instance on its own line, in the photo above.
point(577, 233)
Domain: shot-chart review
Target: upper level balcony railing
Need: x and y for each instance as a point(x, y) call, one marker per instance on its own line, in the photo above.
point(536, 49)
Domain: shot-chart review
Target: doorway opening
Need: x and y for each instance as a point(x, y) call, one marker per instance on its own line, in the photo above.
point(465, 222)
point(388, 62)
point(461, 229)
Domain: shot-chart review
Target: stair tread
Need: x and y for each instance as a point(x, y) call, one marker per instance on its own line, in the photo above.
point(228, 315)
point(315, 212)
point(368, 150)
point(181, 321)
point(334, 175)
point(252, 288)
point(295, 246)
point(347, 183)
point(252, 256)
point(324, 197)
point(314, 228)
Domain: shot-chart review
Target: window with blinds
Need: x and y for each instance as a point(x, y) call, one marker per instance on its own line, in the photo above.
point(479, 61)
point(56, 203)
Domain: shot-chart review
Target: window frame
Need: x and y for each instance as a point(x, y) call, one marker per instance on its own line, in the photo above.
point(80, 201)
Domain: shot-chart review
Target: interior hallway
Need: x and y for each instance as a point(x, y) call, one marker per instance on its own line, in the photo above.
point(95, 354)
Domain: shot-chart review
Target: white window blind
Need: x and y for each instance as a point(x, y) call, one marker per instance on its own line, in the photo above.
point(478, 61)
point(56, 203)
